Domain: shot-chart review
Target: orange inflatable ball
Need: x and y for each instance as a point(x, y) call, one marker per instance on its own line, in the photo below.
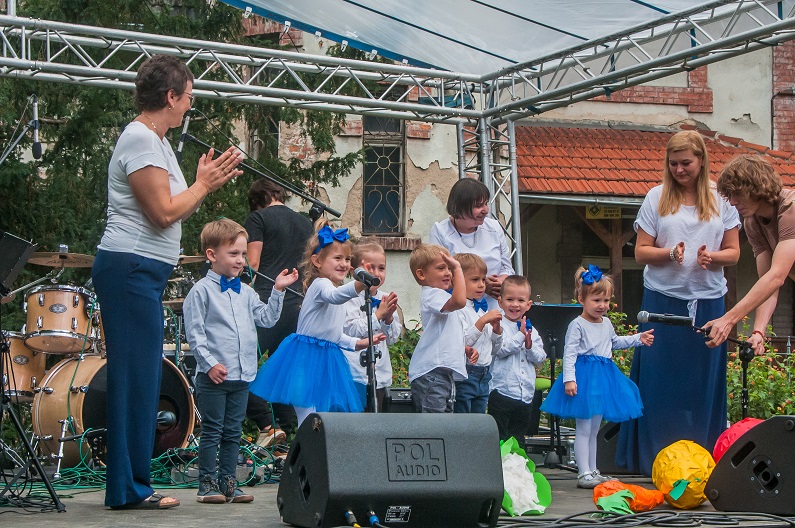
point(640, 500)
point(730, 435)
point(681, 471)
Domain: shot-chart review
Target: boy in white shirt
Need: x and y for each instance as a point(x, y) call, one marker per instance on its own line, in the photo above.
point(439, 359)
point(368, 254)
point(514, 367)
point(482, 332)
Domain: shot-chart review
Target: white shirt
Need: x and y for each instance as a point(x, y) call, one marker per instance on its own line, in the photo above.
point(322, 314)
point(128, 228)
point(356, 326)
point(594, 339)
point(221, 326)
point(442, 341)
point(688, 281)
point(513, 372)
point(484, 342)
point(488, 242)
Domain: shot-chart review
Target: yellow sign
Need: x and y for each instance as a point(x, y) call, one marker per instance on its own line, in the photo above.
point(602, 212)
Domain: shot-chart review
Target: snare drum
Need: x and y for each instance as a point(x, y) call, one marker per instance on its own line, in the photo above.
point(27, 370)
point(58, 319)
point(79, 387)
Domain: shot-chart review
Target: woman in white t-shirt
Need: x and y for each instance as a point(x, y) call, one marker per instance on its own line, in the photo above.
point(147, 200)
point(687, 233)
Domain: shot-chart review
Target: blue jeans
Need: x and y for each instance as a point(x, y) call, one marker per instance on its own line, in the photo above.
point(472, 394)
point(129, 288)
point(222, 407)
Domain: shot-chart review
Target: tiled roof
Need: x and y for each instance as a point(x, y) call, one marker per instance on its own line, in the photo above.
point(605, 161)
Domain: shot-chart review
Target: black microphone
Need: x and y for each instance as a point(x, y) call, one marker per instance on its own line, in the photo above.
point(36, 142)
point(676, 320)
point(368, 279)
point(183, 136)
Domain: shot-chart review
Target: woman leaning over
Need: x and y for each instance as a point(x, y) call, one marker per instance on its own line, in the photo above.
point(687, 233)
point(148, 199)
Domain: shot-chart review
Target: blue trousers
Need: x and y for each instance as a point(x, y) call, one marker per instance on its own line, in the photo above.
point(129, 289)
point(472, 394)
point(222, 408)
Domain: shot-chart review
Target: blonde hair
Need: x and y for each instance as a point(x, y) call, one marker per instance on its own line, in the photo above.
point(671, 198)
point(602, 286)
point(422, 257)
point(220, 232)
point(362, 247)
point(516, 280)
point(309, 271)
point(470, 262)
point(750, 176)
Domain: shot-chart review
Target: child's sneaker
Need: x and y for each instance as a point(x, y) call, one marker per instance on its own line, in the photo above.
point(270, 437)
point(232, 492)
point(602, 478)
point(209, 492)
point(587, 481)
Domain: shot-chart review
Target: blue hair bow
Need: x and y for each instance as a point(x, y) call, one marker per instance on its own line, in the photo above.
point(326, 236)
point(594, 274)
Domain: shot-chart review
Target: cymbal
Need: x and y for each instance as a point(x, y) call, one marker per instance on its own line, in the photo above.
point(189, 259)
point(10, 298)
point(58, 260)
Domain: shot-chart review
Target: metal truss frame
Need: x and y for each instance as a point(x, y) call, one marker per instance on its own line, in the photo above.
point(490, 104)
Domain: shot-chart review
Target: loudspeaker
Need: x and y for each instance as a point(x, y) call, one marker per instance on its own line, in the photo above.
point(414, 470)
point(606, 442)
point(757, 472)
point(398, 400)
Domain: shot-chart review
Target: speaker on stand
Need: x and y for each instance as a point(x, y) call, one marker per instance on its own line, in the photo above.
point(757, 472)
point(414, 470)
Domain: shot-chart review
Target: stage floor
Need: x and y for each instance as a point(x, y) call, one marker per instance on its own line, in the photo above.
point(84, 509)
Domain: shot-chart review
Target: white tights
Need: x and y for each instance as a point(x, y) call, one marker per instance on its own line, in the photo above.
point(585, 443)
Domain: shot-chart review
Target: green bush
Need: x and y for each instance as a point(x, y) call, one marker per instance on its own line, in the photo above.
point(400, 353)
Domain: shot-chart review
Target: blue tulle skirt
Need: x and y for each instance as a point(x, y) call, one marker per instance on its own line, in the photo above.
point(308, 372)
point(601, 389)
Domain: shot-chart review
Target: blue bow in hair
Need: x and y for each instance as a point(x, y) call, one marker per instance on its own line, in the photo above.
point(326, 236)
point(480, 304)
point(230, 284)
point(594, 274)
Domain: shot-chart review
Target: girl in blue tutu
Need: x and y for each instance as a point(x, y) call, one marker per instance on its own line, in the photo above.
point(308, 369)
point(591, 387)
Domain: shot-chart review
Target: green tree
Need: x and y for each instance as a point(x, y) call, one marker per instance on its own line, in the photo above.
point(61, 199)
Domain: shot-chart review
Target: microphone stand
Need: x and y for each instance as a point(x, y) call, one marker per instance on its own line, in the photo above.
point(746, 355)
point(315, 202)
point(368, 356)
point(273, 281)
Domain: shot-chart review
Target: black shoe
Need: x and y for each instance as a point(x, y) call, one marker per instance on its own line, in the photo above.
point(232, 492)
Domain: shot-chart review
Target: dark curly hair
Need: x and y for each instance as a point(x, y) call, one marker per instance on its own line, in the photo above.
point(750, 176)
point(158, 75)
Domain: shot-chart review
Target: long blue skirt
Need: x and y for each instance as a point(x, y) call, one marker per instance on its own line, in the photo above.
point(682, 383)
point(602, 389)
point(308, 372)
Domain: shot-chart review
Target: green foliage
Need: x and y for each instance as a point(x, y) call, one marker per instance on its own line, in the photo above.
point(400, 353)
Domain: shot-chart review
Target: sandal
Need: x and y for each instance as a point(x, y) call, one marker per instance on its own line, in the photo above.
point(155, 502)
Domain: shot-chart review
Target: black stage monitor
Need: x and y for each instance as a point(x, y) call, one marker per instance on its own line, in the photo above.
point(14, 254)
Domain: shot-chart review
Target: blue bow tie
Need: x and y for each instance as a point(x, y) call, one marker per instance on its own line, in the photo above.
point(527, 325)
point(376, 303)
point(594, 274)
point(480, 304)
point(326, 236)
point(230, 284)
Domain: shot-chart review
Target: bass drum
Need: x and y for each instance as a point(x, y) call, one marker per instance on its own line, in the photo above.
point(79, 387)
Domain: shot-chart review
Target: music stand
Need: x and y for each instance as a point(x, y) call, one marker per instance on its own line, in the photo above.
point(552, 321)
point(14, 254)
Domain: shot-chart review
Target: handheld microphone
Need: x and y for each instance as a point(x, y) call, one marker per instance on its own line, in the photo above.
point(36, 142)
point(182, 137)
point(368, 279)
point(676, 320)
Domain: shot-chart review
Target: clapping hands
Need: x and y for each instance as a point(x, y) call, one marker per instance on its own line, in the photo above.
point(284, 279)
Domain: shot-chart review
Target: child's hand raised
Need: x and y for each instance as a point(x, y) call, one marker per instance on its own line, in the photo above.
point(647, 337)
point(450, 261)
point(387, 308)
point(217, 373)
point(472, 354)
point(496, 327)
point(284, 279)
point(377, 338)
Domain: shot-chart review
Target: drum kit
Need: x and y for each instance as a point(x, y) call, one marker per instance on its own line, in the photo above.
point(63, 327)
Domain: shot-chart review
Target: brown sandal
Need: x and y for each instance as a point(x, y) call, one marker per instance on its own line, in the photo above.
point(155, 502)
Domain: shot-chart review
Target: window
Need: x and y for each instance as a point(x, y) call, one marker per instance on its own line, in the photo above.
point(382, 190)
